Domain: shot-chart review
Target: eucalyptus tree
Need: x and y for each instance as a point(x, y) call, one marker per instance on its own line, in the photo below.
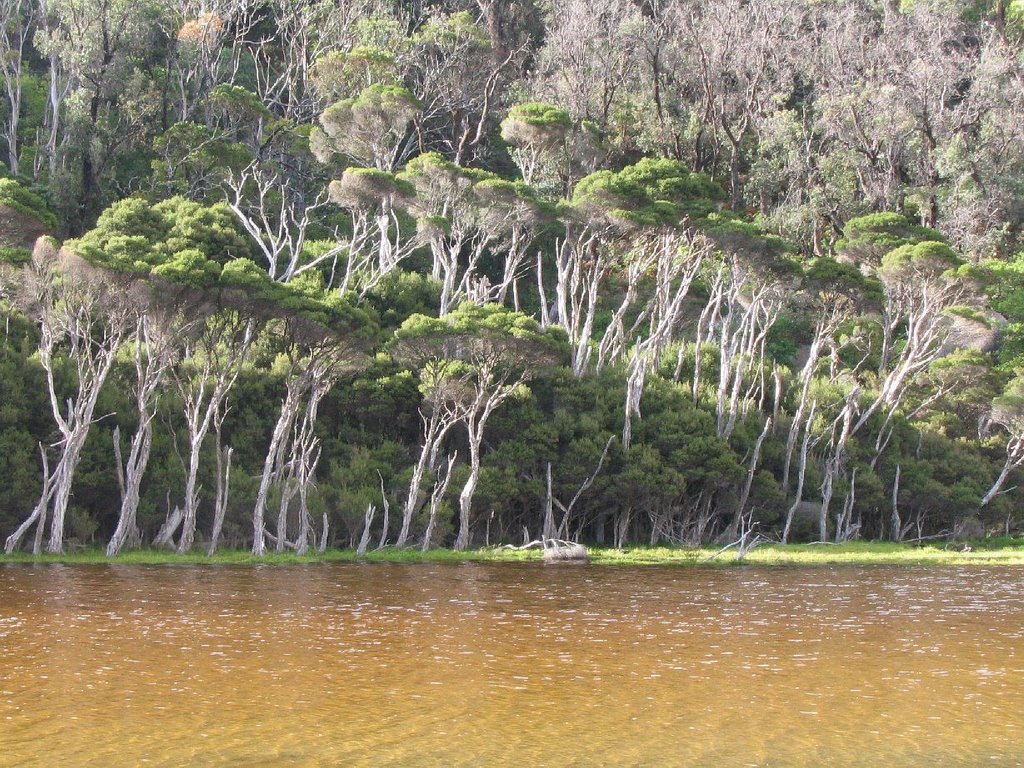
point(379, 238)
point(281, 58)
point(588, 61)
point(83, 313)
point(373, 128)
point(154, 350)
point(458, 76)
point(516, 217)
point(921, 284)
point(836, 292)
point(738, 72)
point(209, 42)
point(318, 337)
point(97, 50)
point(17, 18)
point(641, 225)
point(1008, 413)
point(539, 135)
point(198, 256)
point(497, 352)
point(451, 221)
point(214, 355)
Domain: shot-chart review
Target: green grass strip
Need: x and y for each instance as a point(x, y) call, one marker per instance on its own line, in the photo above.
point(1004, 551)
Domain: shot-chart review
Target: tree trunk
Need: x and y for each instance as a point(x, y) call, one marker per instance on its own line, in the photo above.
point(466, 496)
point(272, 463)
point(189, 513)
point(138, 458)
point(896, 525)
point(801, 474)
point(741, 505)
point(436, 497)
point(364, 541)
point(223, 494)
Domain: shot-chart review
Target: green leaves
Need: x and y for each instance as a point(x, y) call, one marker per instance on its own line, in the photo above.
point(369, 128)
point(535, 124)
point(19, 198)
point(191, 269)
point(489, 335)
point(927, 259)
point(133, 235)
point(651, 193)
point(368, 188)
point(867, 239)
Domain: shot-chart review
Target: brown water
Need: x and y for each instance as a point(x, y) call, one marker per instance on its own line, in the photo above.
point(505, 664)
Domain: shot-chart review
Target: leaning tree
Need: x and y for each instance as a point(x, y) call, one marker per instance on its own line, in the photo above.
point(317, 336)
point(84, 313)
point(474, 359)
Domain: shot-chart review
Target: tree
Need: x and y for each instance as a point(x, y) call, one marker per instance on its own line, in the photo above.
point(373, 128)
point(80, 311)
point(1008, 412)
point(319, 338)
point(16, 21)
point(497, 352)
point(155, 350)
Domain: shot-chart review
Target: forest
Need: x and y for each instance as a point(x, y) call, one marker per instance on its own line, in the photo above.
point(285, 275)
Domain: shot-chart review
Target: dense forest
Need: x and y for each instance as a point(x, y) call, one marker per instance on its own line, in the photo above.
point(291, 274)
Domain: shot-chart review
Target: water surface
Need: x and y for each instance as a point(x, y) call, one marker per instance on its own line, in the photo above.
point(510, 664)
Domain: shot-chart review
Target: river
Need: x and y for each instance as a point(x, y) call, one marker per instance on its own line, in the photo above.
point(510, 664)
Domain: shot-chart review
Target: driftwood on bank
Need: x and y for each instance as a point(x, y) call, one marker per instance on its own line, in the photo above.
point(555, 550)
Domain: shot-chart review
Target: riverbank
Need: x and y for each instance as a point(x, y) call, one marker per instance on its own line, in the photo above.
point(1003, 551)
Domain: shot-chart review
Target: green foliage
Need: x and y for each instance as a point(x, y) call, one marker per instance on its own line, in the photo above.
point(19, 198)
point(650, 193)
point(369, 127)
point(928, 258)
point(427, 112)
point(867, 239)
point(137, 236)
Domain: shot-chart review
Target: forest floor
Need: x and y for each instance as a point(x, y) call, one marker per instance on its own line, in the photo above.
point(1001, 551)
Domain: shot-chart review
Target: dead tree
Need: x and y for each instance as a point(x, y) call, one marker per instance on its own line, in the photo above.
point(364, 540)
point(561, 531)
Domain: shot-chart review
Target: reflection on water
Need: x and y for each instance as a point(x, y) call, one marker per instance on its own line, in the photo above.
point(352, 665)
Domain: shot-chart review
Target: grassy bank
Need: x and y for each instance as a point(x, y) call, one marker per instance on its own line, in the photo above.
point(990, 552)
